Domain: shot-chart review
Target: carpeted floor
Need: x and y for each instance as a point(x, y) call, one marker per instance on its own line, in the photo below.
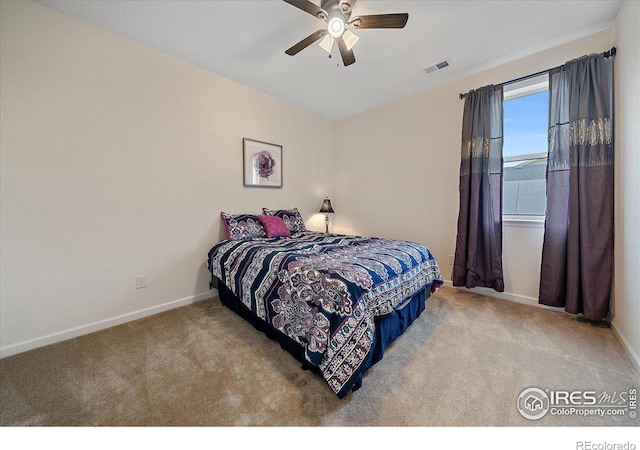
point(464, 362)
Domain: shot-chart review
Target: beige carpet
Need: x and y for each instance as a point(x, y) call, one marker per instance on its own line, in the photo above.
point(464, 362)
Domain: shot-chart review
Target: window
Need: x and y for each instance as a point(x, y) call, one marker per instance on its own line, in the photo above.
point(526, 110)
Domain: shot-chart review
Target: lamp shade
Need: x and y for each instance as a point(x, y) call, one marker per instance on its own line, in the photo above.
point(326, 206)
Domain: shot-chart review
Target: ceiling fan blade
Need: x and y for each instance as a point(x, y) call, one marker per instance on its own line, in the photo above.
point(307, 6)
point(348, 57)
point(381, 21)
point(306, 42)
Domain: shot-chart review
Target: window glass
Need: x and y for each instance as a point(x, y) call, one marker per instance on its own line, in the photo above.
point(525, 151)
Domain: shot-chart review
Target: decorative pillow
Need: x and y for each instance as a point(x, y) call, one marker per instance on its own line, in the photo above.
point(291, 218)
point(274, 226)
point(242, 226)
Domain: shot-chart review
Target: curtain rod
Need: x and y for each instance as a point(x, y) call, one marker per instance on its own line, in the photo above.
point(606, 54)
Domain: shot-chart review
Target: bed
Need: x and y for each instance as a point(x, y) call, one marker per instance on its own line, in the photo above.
point(334, 302)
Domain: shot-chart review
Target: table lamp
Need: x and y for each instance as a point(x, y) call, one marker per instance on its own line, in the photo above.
point(326, 209)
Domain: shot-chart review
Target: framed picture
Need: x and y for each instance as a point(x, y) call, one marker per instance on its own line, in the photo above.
point(262, 164)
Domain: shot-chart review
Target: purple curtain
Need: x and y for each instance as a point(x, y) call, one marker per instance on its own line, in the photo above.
point(577, 255)
point(478, 257)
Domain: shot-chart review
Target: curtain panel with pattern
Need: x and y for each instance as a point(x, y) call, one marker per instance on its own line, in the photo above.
point(577, 256)
point(478, 256)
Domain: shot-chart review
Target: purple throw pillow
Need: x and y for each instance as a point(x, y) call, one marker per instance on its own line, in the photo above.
point(274, 226)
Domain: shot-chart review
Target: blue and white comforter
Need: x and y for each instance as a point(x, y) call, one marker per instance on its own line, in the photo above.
point(324, 290)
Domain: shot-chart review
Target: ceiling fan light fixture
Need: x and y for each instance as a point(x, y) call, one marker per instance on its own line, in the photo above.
point(350, 39)
point(336, 26)
point(336, 15)
point(326, 43)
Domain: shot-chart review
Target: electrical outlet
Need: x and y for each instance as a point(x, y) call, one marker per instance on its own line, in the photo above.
point(141, 281)
point(451, 259)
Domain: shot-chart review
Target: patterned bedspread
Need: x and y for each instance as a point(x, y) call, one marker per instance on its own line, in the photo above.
point(324, 290)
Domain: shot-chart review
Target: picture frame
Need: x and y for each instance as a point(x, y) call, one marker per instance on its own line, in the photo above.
point(262, 164)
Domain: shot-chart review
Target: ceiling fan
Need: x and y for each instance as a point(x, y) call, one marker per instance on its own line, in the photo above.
point(337, 15)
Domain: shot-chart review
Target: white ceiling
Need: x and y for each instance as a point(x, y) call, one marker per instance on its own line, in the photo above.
point(245, 41)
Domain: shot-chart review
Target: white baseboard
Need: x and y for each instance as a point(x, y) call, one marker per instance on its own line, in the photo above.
point(508, 296)
point(71, 333)
point(635, 360)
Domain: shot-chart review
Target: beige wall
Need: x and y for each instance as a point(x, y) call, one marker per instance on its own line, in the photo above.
point(626, 38)
point(116, 161)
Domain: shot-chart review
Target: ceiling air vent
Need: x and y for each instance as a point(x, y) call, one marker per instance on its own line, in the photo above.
point(439, 66)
